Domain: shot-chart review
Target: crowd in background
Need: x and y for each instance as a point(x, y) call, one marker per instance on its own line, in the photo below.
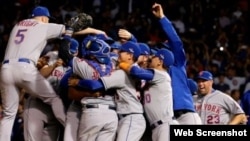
point(215, 32)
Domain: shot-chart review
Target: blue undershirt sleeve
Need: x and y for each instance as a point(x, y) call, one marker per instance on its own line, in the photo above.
point(93, 85)
point(140, 73)
point(65, 78)
point(133, 39)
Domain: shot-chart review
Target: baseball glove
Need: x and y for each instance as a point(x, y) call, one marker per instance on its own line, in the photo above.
point(64, 51)
point(79, 22)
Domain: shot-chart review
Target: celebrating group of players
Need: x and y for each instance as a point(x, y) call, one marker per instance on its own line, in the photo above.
point(101, 89)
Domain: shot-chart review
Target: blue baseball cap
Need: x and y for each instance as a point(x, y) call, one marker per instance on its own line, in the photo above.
point(131, 47)
point(73, 46)
point(166, 55)
point(41, 11)
point(116, 45)
point(206, 75)
point(145, 50)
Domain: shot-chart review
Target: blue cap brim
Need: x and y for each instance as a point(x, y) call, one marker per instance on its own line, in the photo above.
point(203, 78)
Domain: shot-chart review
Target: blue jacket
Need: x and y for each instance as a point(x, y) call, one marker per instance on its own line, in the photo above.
point(182, 97)
point(245, 104)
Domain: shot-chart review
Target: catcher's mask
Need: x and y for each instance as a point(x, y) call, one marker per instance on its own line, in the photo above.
point(99, 49)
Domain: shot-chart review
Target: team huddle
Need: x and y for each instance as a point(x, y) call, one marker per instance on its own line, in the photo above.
point(100, 89)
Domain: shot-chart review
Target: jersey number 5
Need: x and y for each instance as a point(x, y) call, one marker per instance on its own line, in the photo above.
point(20, 36)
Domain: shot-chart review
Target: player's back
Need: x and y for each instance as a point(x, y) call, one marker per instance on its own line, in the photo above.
point(29, 37)
point(89, 69)
point(158, 100)
point(126, 100)
point(83, 69)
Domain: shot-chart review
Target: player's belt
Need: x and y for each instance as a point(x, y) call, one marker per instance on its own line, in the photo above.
point(19, 60)
point(124, 115)
point(154, 125)
point(178, 113)
point(101, 106)
point(157, 123)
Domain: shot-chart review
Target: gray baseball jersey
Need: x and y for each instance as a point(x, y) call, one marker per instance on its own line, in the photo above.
point(86, 71)
point(127, 101)
point(56, 76)
point(216, 107)
point(29, 37)
point(158, 99)
point(83, 118)
point(27, 40)
point(158, 105)
point(132, 123)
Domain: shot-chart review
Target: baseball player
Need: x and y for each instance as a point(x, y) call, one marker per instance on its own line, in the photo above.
point(39, 114)
point(129, 109)
point(214, 106)
point(158, 101)
point(23, 50)
point(81, 124)
point(144, 57)
point(184, 110)
point(142, 62)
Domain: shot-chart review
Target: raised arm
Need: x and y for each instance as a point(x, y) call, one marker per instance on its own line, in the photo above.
point(174, 40)
point(90, 30)
point(125, 35)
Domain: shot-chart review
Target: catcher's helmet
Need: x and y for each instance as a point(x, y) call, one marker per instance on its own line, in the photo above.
point(85, 41)
point(99, 49)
